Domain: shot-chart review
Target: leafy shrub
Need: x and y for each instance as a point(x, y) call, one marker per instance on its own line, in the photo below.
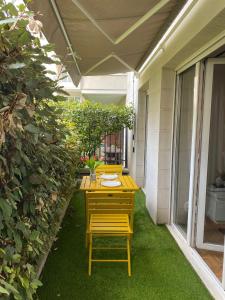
point(36, 168)
point(93, 121)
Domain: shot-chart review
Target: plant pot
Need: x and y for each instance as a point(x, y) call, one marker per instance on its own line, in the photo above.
point(92, 175)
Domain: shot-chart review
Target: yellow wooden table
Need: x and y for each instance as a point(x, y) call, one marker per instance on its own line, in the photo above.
point(127, 184)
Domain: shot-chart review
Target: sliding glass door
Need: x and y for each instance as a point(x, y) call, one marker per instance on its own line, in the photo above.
point(198, 209)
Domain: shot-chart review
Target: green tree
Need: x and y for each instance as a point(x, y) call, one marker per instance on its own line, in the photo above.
point(93, 121)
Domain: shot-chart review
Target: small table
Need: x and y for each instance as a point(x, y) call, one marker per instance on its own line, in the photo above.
point(127, 184)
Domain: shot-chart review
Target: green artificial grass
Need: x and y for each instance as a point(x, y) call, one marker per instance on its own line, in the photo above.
point(159, 269)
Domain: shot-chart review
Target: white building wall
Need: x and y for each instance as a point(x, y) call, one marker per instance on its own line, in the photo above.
point(107, 88)
point(165, 145)
point(153, 144)
point(140, 139)
point(112, 83)
point(132, 99)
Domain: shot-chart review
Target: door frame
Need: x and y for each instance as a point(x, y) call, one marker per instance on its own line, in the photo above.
point(192, 200)
point(204, 157)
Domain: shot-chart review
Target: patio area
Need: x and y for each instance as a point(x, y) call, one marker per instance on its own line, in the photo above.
point(159, 269)
point(112, 120)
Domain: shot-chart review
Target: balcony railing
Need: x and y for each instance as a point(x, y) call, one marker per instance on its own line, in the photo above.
point(113, 149)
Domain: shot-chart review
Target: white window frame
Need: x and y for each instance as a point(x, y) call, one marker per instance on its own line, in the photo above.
point(192, 187)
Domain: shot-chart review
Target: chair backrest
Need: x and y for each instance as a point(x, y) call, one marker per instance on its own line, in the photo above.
point(110, 169)
point(112, 202)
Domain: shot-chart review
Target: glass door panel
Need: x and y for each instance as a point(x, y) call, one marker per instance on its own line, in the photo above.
point(183, 148)
point(211, 206)
point(210, 227)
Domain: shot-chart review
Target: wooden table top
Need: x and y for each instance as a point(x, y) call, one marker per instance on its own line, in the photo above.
point(127, 184)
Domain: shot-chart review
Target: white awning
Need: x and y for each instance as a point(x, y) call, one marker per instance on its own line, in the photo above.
point(99, 37)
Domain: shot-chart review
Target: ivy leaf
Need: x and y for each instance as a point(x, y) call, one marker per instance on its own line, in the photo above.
point(24, 281)
point(5, 163)
point(31, 128)
point(16, 258)
point(36, 283)
point(11, 9)
point(21, 7)
point(9, 287)
point(34, 235)
point(8, 21)
point(3, 291)
point(6, 208)
point(25, 158)
point(24, 38)
point(35, 179)
point(18, 241)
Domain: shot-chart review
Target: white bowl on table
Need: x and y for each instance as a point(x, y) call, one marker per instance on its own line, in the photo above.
point(109, 176)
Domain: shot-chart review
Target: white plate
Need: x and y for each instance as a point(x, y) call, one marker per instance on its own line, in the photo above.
point(111, 183)
point(109, 176)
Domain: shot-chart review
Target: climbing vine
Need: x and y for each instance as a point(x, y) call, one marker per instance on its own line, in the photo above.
point(36, 168)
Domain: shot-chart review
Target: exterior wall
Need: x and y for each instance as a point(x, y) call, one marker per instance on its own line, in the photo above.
point(140, 139)
point(165, 145)
point(196, 30)
point(114, 83)
point(152, 154)
point(110, 88)
point(132, 98)
point(159, 135)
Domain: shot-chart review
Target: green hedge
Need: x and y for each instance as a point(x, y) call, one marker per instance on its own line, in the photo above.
point(36, 168)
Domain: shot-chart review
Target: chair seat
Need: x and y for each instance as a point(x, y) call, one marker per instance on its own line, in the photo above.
point(109, 223)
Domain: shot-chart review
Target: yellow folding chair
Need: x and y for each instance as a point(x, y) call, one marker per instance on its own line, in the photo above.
point(110, 214)
point(109, 169)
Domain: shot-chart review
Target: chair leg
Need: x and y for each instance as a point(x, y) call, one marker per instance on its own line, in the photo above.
point(128, 256)
point(90, 254)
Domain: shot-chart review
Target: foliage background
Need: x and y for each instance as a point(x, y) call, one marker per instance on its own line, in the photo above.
point(93, 121)
point(36, 166)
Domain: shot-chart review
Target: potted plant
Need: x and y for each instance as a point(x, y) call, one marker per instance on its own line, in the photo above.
point(92, 163)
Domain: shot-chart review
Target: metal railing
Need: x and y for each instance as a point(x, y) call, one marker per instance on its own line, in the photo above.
point(113, 149)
